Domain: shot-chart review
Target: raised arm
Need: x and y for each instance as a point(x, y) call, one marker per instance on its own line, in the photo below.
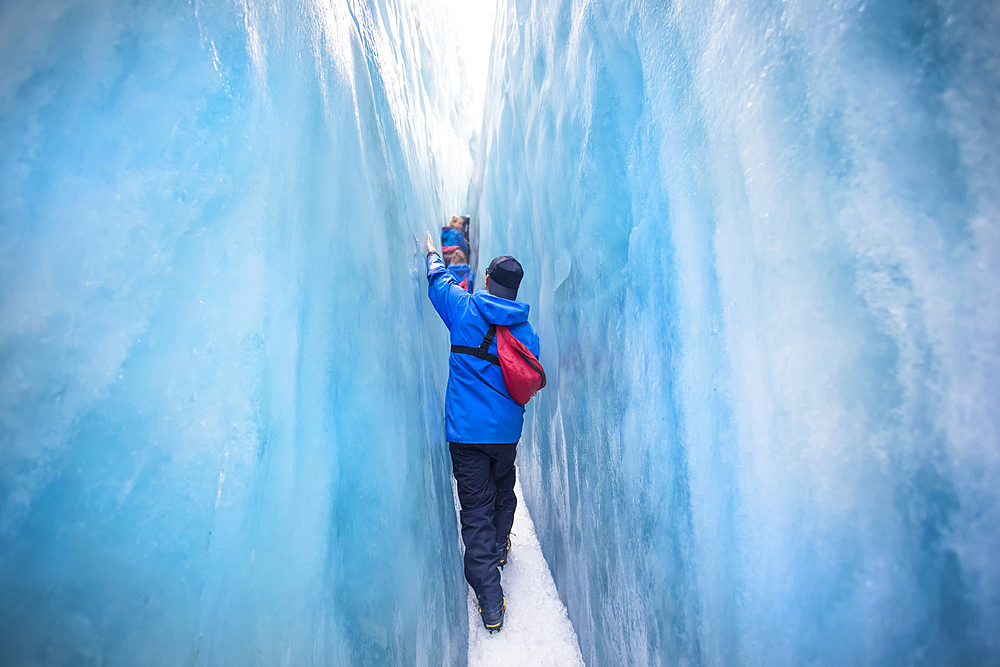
point(444, 292)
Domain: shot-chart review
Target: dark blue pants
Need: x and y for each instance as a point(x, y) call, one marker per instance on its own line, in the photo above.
point(485, 477)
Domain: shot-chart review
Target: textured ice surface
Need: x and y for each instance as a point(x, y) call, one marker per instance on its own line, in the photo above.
point(220, 384)
point(761, 242)
point(763, 239)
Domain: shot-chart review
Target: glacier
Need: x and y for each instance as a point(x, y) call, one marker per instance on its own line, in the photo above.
point(760, 242)
point(767, 238)
point(222, 389)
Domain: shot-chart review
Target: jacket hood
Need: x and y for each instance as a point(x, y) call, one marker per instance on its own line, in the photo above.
point(497, 310)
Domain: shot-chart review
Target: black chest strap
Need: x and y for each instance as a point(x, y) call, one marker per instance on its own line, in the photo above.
point(483, 351)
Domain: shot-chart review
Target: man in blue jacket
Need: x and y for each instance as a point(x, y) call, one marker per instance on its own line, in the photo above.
point(482, 422)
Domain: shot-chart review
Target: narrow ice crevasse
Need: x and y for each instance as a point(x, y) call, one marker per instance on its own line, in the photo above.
point(537, 629)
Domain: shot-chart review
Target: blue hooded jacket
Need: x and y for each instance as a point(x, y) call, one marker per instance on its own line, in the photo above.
point(461, 272)
point(478, 408)
point(453, 237)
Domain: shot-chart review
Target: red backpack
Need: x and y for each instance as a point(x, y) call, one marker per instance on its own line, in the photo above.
point(522, 372)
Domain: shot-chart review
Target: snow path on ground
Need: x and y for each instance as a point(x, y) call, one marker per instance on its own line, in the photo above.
point(536, 628)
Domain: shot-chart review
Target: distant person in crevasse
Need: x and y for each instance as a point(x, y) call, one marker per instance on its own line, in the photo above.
point(459, 267)
point(453, 237)
point(483, 422)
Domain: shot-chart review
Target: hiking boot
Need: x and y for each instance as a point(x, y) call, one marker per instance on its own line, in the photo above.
point(504, 550)
point(493, 620)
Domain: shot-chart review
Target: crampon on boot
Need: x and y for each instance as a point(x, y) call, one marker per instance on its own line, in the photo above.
point(493, 619)
point(504, 550)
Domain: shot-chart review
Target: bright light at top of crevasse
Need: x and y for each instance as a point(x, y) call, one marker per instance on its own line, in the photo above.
point(473, 23)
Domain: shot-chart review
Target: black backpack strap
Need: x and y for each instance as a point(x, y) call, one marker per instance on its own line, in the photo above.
point(483, 351)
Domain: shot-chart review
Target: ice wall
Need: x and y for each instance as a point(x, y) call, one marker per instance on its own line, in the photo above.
point(762, 238)
point(220, 430)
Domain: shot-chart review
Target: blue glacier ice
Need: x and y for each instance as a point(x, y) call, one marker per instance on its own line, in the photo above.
point(761, 241)
point(764, 241)
point(221, 387)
